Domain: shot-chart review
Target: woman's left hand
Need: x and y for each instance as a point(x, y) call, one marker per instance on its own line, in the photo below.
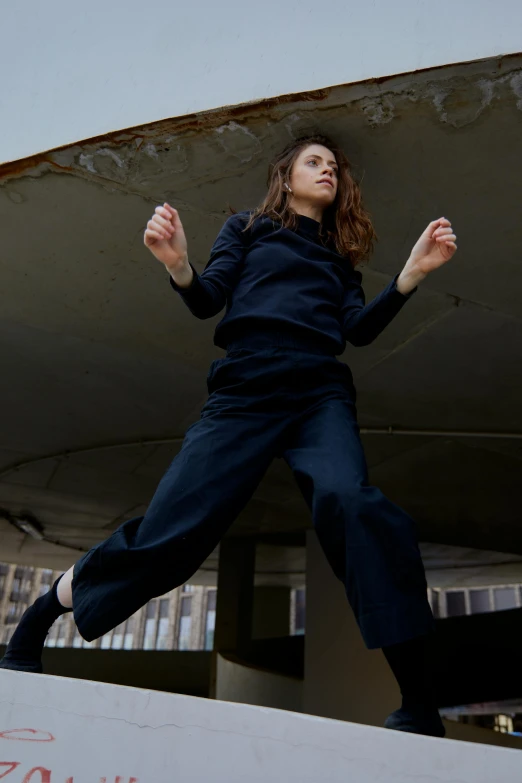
point(435, 246)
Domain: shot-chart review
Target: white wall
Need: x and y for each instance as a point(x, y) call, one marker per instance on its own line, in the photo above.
point(86, 731)
point(71, 71)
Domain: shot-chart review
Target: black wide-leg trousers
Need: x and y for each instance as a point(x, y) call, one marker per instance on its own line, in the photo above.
point(265, 402)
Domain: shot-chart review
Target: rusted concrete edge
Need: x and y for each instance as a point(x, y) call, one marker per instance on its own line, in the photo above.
point(211, 118)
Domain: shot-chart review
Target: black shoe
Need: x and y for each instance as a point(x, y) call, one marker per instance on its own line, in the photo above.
point(20, 666)
point(417, 720)
point(24, 651)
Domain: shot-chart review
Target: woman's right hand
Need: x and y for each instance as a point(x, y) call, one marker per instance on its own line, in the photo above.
point(165, 238)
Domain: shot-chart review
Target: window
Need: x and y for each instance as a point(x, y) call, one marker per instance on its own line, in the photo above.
point(455, 603)
point(300, 611)
point(149, 640)
point(504, 598)
point(503, 724)
point(187, 589)
point(163, 625)
point(6, 636)
point(13, 613)
point(16, 587)
point(22, 583)
point(435, 602)
point(45, 581)
point(479, 601)
point(210, 623)
point(4, 570)
point(51, 637)
point(105, 642)
point(60, 635)
point(129, 633)
point(184, 624)
point(117, 637)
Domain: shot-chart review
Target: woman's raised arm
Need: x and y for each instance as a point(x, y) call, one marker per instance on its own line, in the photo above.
point(206, 294)
point(362, 322)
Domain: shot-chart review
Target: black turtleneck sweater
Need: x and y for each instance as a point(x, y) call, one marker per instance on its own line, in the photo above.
point(274, 280)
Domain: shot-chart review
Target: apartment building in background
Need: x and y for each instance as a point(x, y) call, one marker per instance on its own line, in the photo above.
point(182, 619)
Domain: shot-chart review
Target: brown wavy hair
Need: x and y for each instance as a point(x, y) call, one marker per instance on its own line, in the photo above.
point(346, 224)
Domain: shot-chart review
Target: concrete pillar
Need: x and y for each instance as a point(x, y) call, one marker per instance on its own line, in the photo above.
point(235, 594)
point(343, 679)
point(271, 613)
point(234, 604)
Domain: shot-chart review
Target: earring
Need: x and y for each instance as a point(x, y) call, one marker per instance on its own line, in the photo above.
point(287, 186)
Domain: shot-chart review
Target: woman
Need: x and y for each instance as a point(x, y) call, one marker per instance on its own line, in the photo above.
point(286, 275)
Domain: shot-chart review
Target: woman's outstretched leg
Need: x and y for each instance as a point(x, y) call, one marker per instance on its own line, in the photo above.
point(222, 460)
point(25, 648)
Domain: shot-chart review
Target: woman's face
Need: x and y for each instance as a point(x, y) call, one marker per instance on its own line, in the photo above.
point(314, 176)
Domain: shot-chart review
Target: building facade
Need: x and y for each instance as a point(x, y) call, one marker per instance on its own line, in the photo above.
point(182, 619)
point(458, 601)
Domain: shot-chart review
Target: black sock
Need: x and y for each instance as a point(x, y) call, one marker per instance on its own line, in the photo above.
point(25, 648)
point(410, 662)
